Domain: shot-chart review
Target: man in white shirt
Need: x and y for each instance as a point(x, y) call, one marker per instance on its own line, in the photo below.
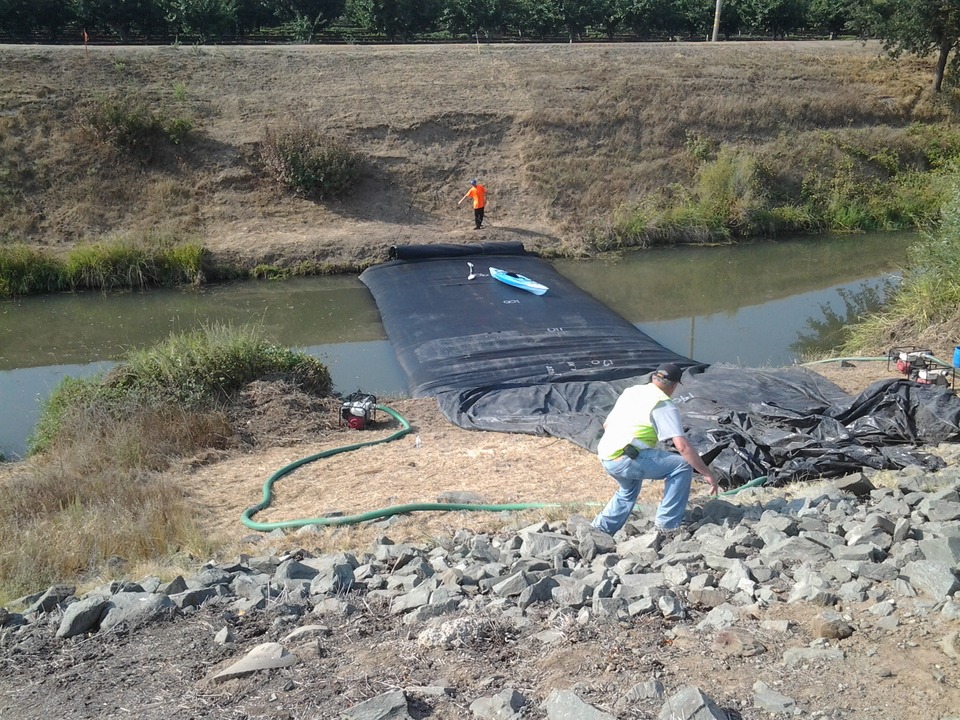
point(643, 415)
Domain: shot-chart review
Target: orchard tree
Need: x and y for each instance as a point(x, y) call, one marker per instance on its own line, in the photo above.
point(915, 27)
point(309, 16)
point(643, 17)
point(252, 15)
point(777, 17)
point(23, 17)
point(203, 18)
point(469, 17)
point(397, 19)
point(611, 15)
point(692, 17)
point(829, 16)
point(125, 18)
point(538, 17)
point(577, 15)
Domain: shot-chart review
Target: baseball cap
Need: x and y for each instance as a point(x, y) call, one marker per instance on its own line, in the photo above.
point(669, 372)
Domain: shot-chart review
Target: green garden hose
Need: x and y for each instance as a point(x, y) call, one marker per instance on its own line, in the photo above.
point(841, 359)
point(247, 515)
point(938, 361)
point(753, 483)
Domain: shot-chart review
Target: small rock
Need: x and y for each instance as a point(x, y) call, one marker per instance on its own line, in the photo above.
point(263, 657)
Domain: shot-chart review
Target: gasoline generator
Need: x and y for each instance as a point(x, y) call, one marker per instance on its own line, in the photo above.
point(358, 409)
point(918, 364)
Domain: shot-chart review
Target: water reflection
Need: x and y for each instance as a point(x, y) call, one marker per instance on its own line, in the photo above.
point(826, 329)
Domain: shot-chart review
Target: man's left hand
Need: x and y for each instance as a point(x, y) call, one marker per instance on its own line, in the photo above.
point(714, 483)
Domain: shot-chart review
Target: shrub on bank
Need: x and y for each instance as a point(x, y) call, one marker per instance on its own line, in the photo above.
point(95, 498)
point(197, 370)
point(312, 164)
point(25, 271)
point(133, 128)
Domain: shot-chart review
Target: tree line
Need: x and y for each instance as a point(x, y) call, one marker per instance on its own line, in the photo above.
point(405, 20)
point(918, 27)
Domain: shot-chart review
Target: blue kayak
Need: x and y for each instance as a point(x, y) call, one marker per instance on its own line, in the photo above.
point(518, 281)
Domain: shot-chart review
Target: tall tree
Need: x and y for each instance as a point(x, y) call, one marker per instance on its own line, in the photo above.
point(915, 27)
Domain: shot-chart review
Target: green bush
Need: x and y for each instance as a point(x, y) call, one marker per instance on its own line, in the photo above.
point(312, 164)
point(202, 367)
point(849, 187)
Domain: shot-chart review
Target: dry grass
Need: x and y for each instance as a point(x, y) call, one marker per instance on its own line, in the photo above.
point(562, 135)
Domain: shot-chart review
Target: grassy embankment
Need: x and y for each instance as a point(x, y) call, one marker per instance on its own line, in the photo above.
point(610, 147)
point(925, 310)
point(93, 499)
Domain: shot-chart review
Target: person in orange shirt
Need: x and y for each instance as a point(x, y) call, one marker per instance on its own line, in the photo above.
point(479, 194)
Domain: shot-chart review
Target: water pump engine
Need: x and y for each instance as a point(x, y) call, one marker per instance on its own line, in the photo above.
point(357, 410)
point(919, 365)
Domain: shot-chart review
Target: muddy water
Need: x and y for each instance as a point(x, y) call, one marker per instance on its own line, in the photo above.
point(754, 305)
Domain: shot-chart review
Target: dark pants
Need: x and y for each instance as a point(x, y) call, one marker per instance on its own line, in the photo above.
point(478, 217)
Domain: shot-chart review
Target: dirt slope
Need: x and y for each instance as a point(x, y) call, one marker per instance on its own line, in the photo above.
point(563, 136)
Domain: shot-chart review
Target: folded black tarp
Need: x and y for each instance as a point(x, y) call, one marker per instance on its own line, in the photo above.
point(499, 358)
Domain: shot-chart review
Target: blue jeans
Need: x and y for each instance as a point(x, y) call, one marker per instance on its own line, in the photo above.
point(629, 473)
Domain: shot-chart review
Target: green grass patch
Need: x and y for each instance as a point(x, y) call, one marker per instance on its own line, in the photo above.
point(832, 182)
point(25, 271)
point(109, 265)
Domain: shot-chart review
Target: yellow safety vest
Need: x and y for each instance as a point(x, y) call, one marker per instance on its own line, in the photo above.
point(630, 420)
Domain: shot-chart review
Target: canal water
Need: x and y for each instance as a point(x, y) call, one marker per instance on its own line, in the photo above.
point(762, 304)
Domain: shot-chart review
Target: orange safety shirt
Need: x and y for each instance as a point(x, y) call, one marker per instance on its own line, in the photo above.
point(479, 194)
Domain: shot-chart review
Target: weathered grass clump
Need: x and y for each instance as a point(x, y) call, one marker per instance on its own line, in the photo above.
point(120, 263)
point(309, 162)
point(133, 128)
point(94, 497)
